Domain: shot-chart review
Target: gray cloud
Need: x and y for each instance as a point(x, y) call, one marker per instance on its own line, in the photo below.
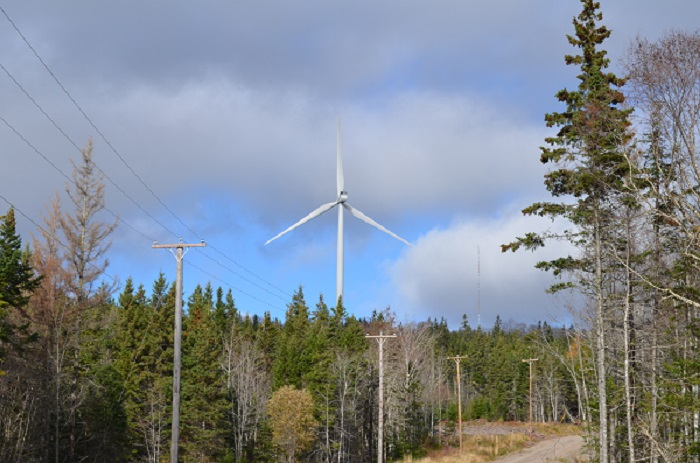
point(228, 110)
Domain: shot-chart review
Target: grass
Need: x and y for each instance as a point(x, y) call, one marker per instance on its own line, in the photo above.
point(483, 448)
point(477, 449)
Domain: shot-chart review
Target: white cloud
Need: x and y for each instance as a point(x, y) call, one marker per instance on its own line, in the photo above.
point(439, 276)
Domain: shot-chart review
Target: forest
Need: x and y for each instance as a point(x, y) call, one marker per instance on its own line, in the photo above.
point(86, 365)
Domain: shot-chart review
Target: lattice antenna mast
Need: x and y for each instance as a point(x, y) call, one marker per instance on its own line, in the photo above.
point(478, 287)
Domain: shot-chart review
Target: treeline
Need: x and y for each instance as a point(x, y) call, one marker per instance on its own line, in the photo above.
point(87, 368)
point(90, 378)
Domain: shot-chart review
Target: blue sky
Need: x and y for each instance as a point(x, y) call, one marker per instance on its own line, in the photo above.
point(227, 111)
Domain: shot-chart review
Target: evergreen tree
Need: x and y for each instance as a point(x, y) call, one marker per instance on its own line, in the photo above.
point(268, 338)
point(203, 389)
point(17, 282)
point(318, 354)
point(590, 174)
point(292, 362)
point(225, 312)
point(18, 376)
point(104, 421)
point(143, 351)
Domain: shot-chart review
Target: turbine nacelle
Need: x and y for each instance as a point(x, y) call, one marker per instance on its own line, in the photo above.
point(342, 197)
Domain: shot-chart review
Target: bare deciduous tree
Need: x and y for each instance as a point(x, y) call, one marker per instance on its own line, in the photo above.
point(248, 385)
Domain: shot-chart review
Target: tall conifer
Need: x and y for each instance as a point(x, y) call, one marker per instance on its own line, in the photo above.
point(590, 170)
point(204, 402)
point(17, 282)
point(292, 361)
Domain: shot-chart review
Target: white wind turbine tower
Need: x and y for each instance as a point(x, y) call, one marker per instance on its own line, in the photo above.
point(342, 201)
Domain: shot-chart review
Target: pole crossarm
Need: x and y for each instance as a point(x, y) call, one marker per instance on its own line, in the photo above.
point(381, 339)
point(177, 343)
point(179, 245)
point(380, 336)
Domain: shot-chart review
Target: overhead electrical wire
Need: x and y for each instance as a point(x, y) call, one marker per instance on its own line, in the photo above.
point(116, 152)
point(45, 158)
point(233, 287)
point(89, 120)
point(75, 145)
point(116, 280)
point(36, 150)
point(236, 273)
point(9, 203)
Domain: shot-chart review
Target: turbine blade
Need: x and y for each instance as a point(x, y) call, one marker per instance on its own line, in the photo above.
point(315, 213)
point(364, 218)
point(339, 180)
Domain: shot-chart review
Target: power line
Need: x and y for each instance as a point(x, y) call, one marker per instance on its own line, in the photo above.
point(114, 150)
point(53, 122)
point(45, 158)
point(243, 277)
point(214, 277)
point(114, 279)
point(36, 150)
point(75, 145)
point(123, 160)
point(92, 124)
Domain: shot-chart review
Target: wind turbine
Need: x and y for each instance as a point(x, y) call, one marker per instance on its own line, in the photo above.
point(340, 201)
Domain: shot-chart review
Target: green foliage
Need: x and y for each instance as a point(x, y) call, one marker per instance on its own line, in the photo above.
point(588, 154)
point(143, 355)
point(17, 279)
point(204, 402)
point(293, 360)
point(17, 282)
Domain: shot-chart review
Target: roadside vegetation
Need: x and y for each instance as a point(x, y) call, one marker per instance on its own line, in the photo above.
point(86, 366)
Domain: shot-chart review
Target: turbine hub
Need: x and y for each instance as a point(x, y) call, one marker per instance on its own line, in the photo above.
point(342, 196)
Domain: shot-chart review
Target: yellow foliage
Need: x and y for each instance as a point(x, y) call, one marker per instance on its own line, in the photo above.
point(292, 421)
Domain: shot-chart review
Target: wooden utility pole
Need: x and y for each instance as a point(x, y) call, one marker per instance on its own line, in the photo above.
point(459, 396)
point(381, 339)
point(177, 344)
point(530, 362)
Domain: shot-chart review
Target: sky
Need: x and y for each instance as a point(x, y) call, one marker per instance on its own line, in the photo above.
point(217, 121)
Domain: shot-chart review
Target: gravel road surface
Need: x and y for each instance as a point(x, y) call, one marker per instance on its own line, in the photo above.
point(555, 450)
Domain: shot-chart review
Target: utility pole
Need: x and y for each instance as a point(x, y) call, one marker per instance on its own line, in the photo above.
point(177, 343)
point(381, 339)
point(459, 396)
point(530, 362)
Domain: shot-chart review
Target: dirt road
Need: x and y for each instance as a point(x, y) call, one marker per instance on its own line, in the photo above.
point(559, 449)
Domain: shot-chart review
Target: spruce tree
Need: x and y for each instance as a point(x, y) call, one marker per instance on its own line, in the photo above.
point(19, 385)
point(204, 402)
point(589, 175)
point(17, 282)
point(143, 358)
point(292, 362)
